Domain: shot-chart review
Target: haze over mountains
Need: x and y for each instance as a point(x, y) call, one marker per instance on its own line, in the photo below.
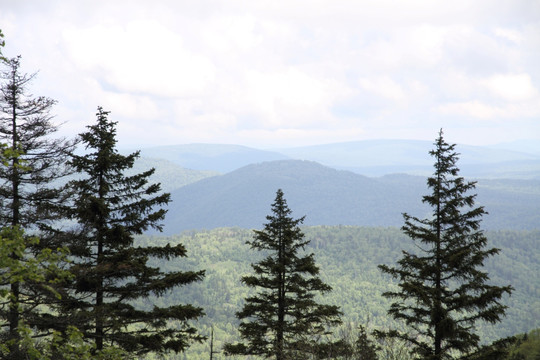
point(370, 157)
point(215, 185)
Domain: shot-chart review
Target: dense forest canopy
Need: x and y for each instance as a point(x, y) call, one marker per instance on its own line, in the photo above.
point(348, 257)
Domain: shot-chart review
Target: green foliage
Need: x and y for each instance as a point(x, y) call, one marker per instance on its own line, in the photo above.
point(349, 344)
point(18, 266)
point(518, 347)
point(283, 319)
point(170, 175)
point(111, 274)
point(348, 257)
point(528, 346)
point(442, 290)
point(31, 162)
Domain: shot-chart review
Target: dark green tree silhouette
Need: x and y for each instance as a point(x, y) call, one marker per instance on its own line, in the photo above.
point(111, 272)
point(443, 291)
point(283, 320)
point(352, 344)
point(31, 195)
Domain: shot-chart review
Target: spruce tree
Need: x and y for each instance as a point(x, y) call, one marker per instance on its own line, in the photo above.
point(31, 196)
point(111, 272)
point(283, 320)
point(443, 291)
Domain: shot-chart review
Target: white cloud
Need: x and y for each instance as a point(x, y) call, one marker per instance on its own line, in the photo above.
point(140, 57)
point(475, 109)
point(289, 98)
point(385, 87)
point(270, 71)
point(512, 35)
point(512, 87)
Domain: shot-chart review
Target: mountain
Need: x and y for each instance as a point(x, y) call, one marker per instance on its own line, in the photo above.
point(381, 157)
point(369, 157)
point(170, 175)
point(215, 157)
point(332, 197)
point(530, 146)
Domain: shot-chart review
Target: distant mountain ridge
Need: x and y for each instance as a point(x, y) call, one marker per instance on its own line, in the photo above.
point(334, 197)
point(368, 157)
point(214, 157)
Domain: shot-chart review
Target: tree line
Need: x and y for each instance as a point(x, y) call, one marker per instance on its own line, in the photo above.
point(71, 273)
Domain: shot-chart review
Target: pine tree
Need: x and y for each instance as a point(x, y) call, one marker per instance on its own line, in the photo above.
point(283, 320)
point(30, 195)
point(443, 291)
point(111, 272)
point(364, 349)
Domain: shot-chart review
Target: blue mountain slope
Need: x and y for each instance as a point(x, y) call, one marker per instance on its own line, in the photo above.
point(381, 157)
point(332, 197)
point(215, 157)
point(370, 158)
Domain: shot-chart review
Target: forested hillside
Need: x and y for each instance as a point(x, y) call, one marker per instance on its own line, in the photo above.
point(170, 175)
point(348, 257)
point(334, 197)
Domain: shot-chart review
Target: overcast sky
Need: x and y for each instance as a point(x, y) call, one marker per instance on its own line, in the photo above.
point(285, 73)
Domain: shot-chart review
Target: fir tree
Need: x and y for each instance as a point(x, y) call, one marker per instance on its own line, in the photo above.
point(443, 291)
point(111, 272)
point(30, 196)
point(283, 320)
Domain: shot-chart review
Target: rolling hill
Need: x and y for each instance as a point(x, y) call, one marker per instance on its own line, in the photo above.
point(214, 157)
point(381, 157)
point(170, 175)
point(334, 197)
point(369, 157)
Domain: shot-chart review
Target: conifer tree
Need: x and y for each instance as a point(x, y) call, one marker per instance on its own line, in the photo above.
point(283, 320)
point(443, 291)
point(111, 272)
point(30, 195)
point(42, 270)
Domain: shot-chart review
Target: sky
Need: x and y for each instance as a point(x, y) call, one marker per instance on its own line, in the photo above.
point(270, 74)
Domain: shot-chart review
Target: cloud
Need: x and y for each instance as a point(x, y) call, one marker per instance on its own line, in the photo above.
point(512, 35)
point(385, 87)
point(269, 72)
point(140, 57)
point(512, 87)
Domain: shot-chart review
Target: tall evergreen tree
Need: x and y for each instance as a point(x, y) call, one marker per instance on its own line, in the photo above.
point(30, 195)
point(443, 291)
point(283, 320)
point(111, 272)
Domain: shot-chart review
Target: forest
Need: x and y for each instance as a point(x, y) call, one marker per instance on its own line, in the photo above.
point(84, 273)
point(348, 257)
